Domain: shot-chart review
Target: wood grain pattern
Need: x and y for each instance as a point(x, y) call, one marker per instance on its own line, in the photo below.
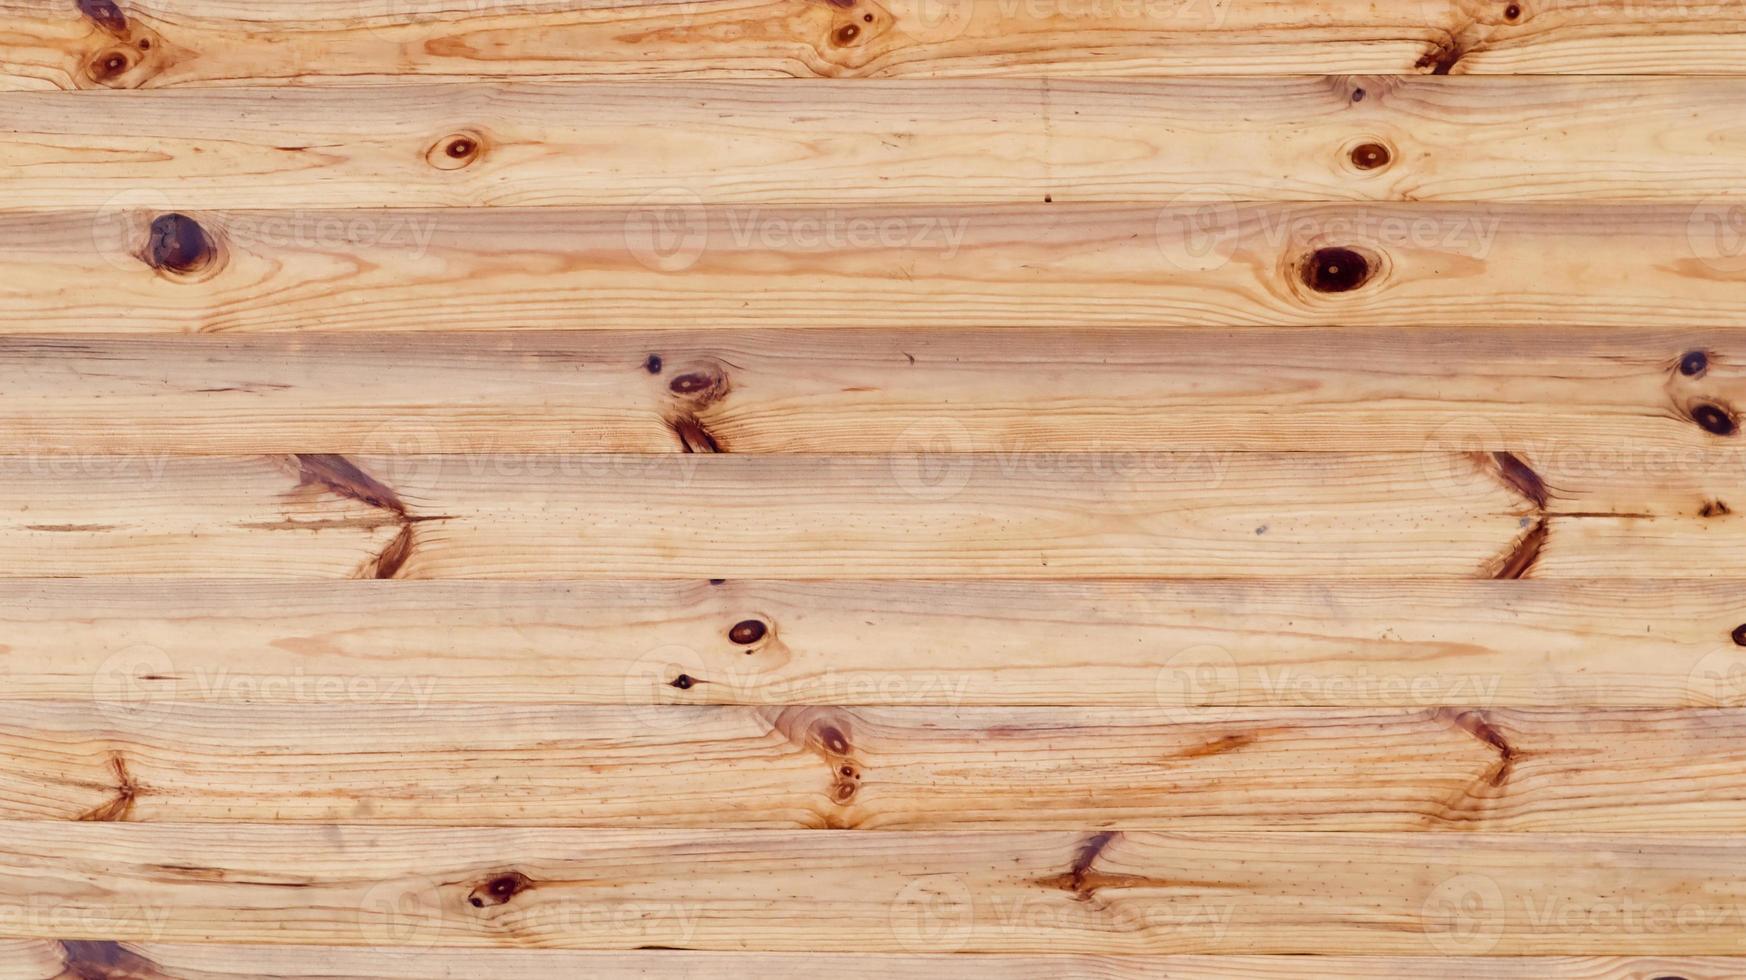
point(327, 41)
point(1268, 644)
point(1540, 393)
point(1124, 515)
point(789, 767)
point(676, 265)
point(975, 142)
point(1018, 891)
point(49, 960)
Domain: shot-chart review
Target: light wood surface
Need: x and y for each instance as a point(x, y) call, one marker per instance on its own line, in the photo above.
point(1539, 392)
point(47, 960)
point(1446, 515)
point(1276, 643)
point(793, 767)
point(874, 488)
point(983, 891)
point(672, 264)
point(217, 42)
point(970, 142)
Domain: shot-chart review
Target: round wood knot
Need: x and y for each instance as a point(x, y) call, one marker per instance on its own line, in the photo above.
point(1371, 156)
point(833, 739)
point(1513, 12)
point(455, 151)
point(1335, 270)
point(846, 34)
point(111, 64)
point(1739, 635)
point(177, 245)
point(683, 682)
point(748, 631)
point(653, 364)
point(1694, 363)
point(1715, 419)
point(701, 387)
point(499, 889)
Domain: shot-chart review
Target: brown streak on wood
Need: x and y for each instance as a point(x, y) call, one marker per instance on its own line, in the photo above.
point(1520, 477)
point(126, 792)
point(106, 14)
point(84, 959)
point(341, 476)
point(1519, 560)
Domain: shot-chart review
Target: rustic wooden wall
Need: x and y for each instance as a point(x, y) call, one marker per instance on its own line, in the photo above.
point(887, 488)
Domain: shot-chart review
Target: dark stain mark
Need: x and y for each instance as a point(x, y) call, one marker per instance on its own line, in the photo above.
point(126, 791)
point(1739, 635)
point(500, 889)
point(1512, 12)
point(693, 383)
point(389, 562)
point(178, 244)
point(683, 682)
point(718, 581)
point(693, 437)
point(1218, 746)
point(1521, 478)
point(1475, 723)
point(1370, 156)
point(846, 34)
point(1520, 559)
point(1358, 95)
point(340, 476)
point(1079, 877)
point(748, 632)
point(1694, 364)
point(1335, 270)
point(833, 739)
point(1443, 58)
point(1715, 419)
point(86, 959)
point(653, 364)
point(343, 477)
point(106, 14)
point(1714, 508)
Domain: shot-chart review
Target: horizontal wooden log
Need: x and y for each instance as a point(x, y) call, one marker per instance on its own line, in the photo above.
point(1539, 392)
point(1450, 515)
point(151, 43)
point(1017, 891)
point(877, 769)
point(141, 268)
point(1271, 644)
point(27, 959)
point(843, 144)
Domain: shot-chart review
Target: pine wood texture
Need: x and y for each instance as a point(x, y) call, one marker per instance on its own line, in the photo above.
point(873, 488)
point(227, 42)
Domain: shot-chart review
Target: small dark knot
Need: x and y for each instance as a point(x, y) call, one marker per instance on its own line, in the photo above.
point(653, 364)
point(1714, 419)
point(1739, 635)
point(748, 632)
point(834, 739)
point(847, 33)
point(1694, 364)
point(1512, 12)
point(1335, 270)
point(178, 244)
point(499, 889)
point(1370, 156)
point(683, 682)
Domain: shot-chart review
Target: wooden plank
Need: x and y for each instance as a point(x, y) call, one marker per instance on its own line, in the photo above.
point(324, 41)
point(841, 144)
point(1540, 392)
point(877, 769)
point(1111, 515)
point(1275, 643)
point(51, 960)
point(1018, 891)
point(476, 269)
